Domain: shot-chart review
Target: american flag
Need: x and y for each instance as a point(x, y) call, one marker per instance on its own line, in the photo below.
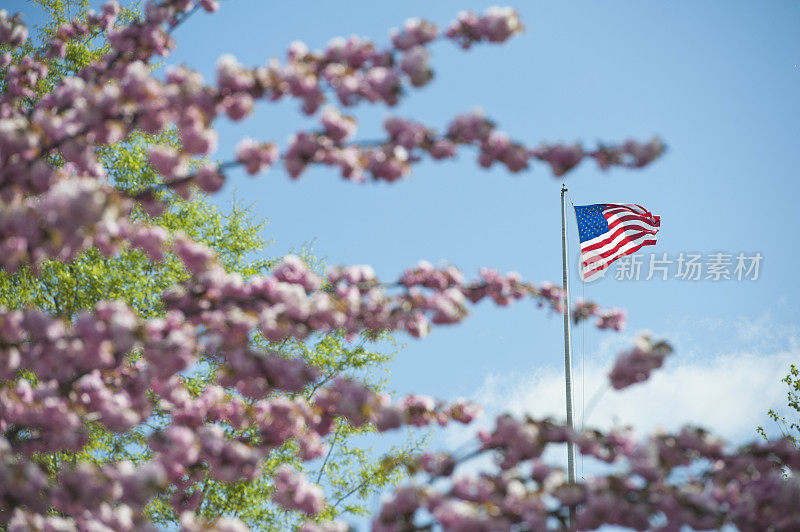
point(609, 231)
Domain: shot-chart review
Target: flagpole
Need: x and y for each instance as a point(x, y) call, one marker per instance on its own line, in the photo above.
point(567, 343)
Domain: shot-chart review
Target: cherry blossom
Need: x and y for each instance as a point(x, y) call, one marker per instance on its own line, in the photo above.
point(108, 367)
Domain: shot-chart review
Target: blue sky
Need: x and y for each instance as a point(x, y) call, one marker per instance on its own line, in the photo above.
point(718, 82)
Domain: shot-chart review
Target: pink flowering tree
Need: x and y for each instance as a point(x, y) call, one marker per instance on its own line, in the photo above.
point(109, 367)
point(349, 472)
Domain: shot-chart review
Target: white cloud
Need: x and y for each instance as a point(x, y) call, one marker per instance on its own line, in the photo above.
point(728, 393)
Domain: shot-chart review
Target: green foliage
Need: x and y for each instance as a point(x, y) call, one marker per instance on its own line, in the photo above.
point(789, 428)
point(350, 473)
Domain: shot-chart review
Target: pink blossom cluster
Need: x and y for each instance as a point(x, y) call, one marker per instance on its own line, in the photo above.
point(293, 490)
point(583, 310)
point(635, 365)
point(101, 104)
point(104, 95)
point(13, 31)
point(338, 127)
point(109, 497)
point(21, 78)
point(606, 318)
point(426, 275)
point(97, 106)
point(496, 25)
point(355, 69)
point(631, 154)
point(415, 32)
point(554, 295)
point(504, 289)
point(82, 28)
point(290, 303)
point(108, 100)
point(189, 522)
point(71, 216)
point(741, 488)
point(256, 157)
point(84, 376)
point(392, 159)
point(325, 526)
point(561, 158)
point(182, 450)
point(611, 319)
point(670, 481)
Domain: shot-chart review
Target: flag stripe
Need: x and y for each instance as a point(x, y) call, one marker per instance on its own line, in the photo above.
point(606, 264)
point(625, 217)
point(619, 210)
point(612, 237)
point(613, 247)
point(631, 206)
point(627, 223)
point(609, 256)
point(602, 265)
point(621, 251)
point(634, 224)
